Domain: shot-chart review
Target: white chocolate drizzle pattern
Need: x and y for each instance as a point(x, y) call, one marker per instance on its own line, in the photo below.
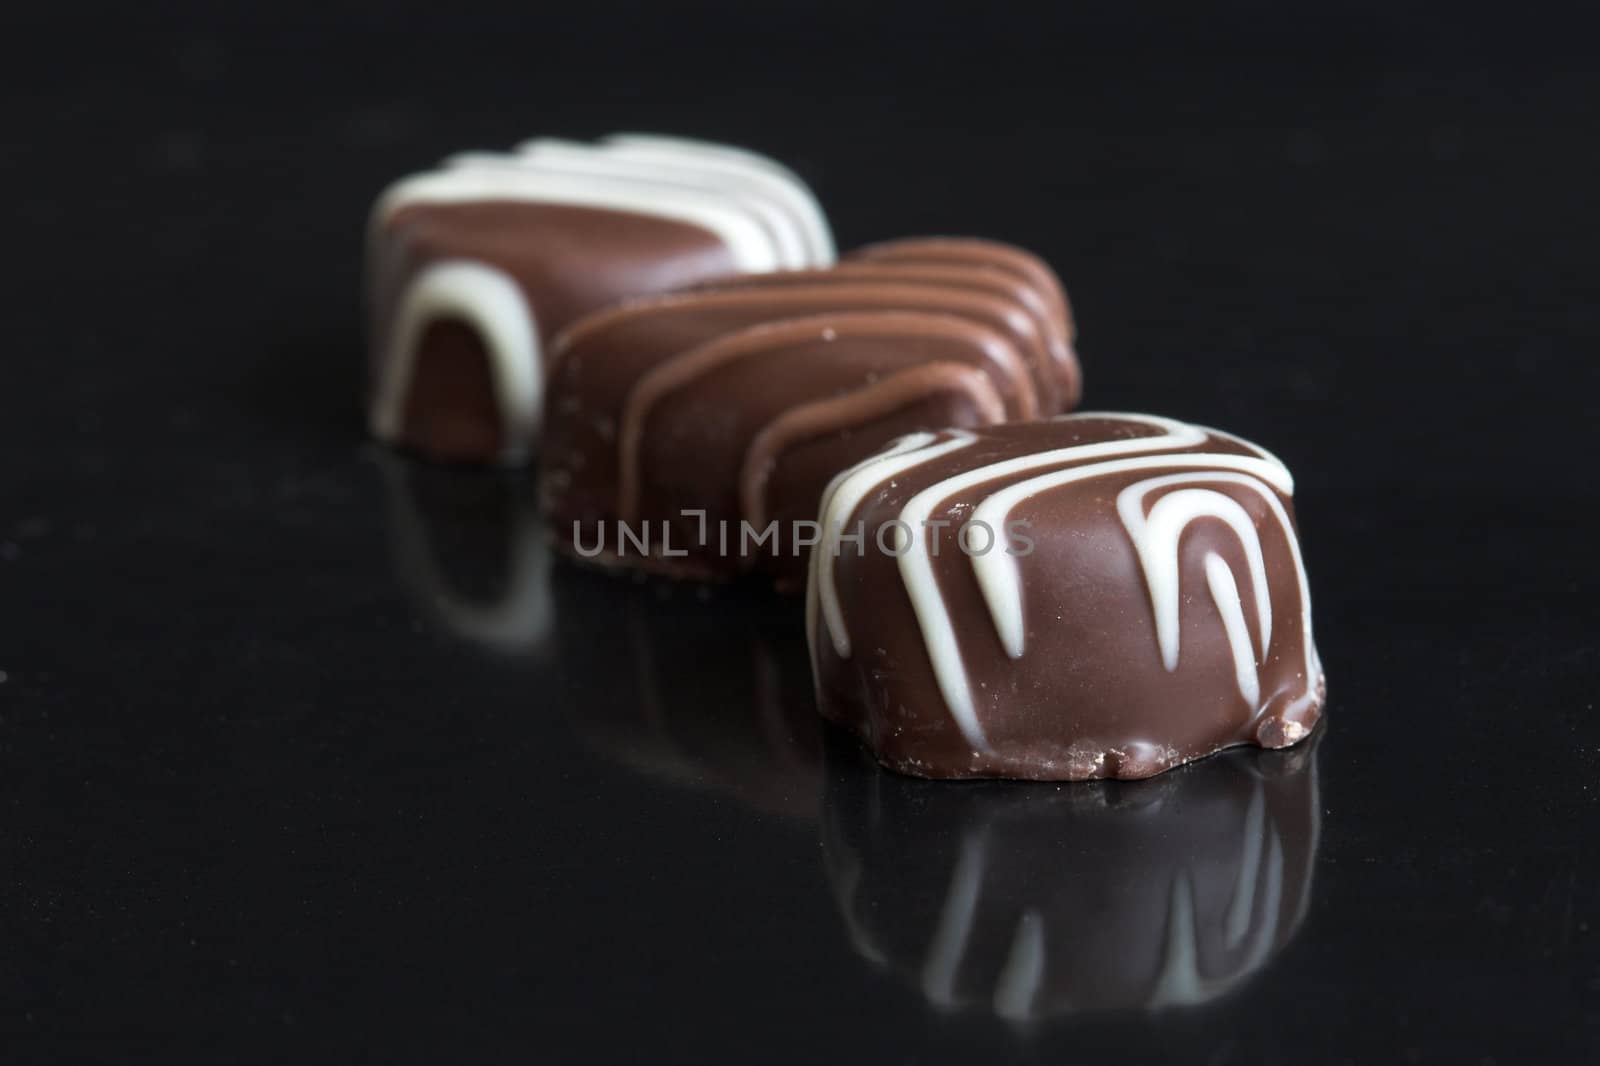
point(765, 217)
point(491, 302)
point(1155, 536)
point(779, 180)
point(839, 500)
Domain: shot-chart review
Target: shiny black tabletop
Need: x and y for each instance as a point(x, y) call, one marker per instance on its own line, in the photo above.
point(312, 753)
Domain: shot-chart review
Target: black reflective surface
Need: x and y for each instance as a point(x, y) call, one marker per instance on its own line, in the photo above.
point(312, 754)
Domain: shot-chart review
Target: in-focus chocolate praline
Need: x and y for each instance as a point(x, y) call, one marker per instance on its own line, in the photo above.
point(1098, 595)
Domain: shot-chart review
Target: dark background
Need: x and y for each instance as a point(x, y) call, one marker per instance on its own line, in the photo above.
point(262, 801)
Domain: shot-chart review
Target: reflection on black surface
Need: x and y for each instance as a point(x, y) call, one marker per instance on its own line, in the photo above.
point(704, 694)
point(1029, 901)
point(470, 546)
point(1020, 900)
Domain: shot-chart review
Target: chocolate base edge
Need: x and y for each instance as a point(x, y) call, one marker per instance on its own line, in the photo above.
point(1272, 733)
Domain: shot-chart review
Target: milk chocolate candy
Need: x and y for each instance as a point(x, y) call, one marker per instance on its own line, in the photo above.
point(474, 267)
point(1029, 904)
point(1098, 595)
point(693, 433)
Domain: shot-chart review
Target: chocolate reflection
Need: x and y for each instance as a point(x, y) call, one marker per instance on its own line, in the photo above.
point(1024, 900)
point(707, 688)
point(1029, 901)
point(472, 550)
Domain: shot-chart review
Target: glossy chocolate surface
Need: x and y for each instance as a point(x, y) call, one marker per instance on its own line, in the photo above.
point(566, 260)
point(1092, 596)
point(737, 404)
point(474, 267)
point(1004, 264)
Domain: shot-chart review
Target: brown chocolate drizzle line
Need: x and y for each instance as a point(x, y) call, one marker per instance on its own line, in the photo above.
point(1008, 259)
point(768, 339)
point(777, 302)
point(971, 250)
point(985, 282)
point(817, 419)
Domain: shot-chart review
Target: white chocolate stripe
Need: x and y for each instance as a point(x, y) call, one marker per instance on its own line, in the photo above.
point(708, 151)
point(999, 575)
point(916, 567)
point(581, 160)
point(1250, 445)
point(490, 301)
point(779, 179)
point(839, 501)
point(1313, 665)
point(787, 193)
point(1156, 538)
point(1225, 594)
point(826, 550)
point(492, 177)
point(568, 157)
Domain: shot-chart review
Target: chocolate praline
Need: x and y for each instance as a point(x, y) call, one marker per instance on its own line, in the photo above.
point(473, 268)
point(705, 424)
point(1099, 595)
